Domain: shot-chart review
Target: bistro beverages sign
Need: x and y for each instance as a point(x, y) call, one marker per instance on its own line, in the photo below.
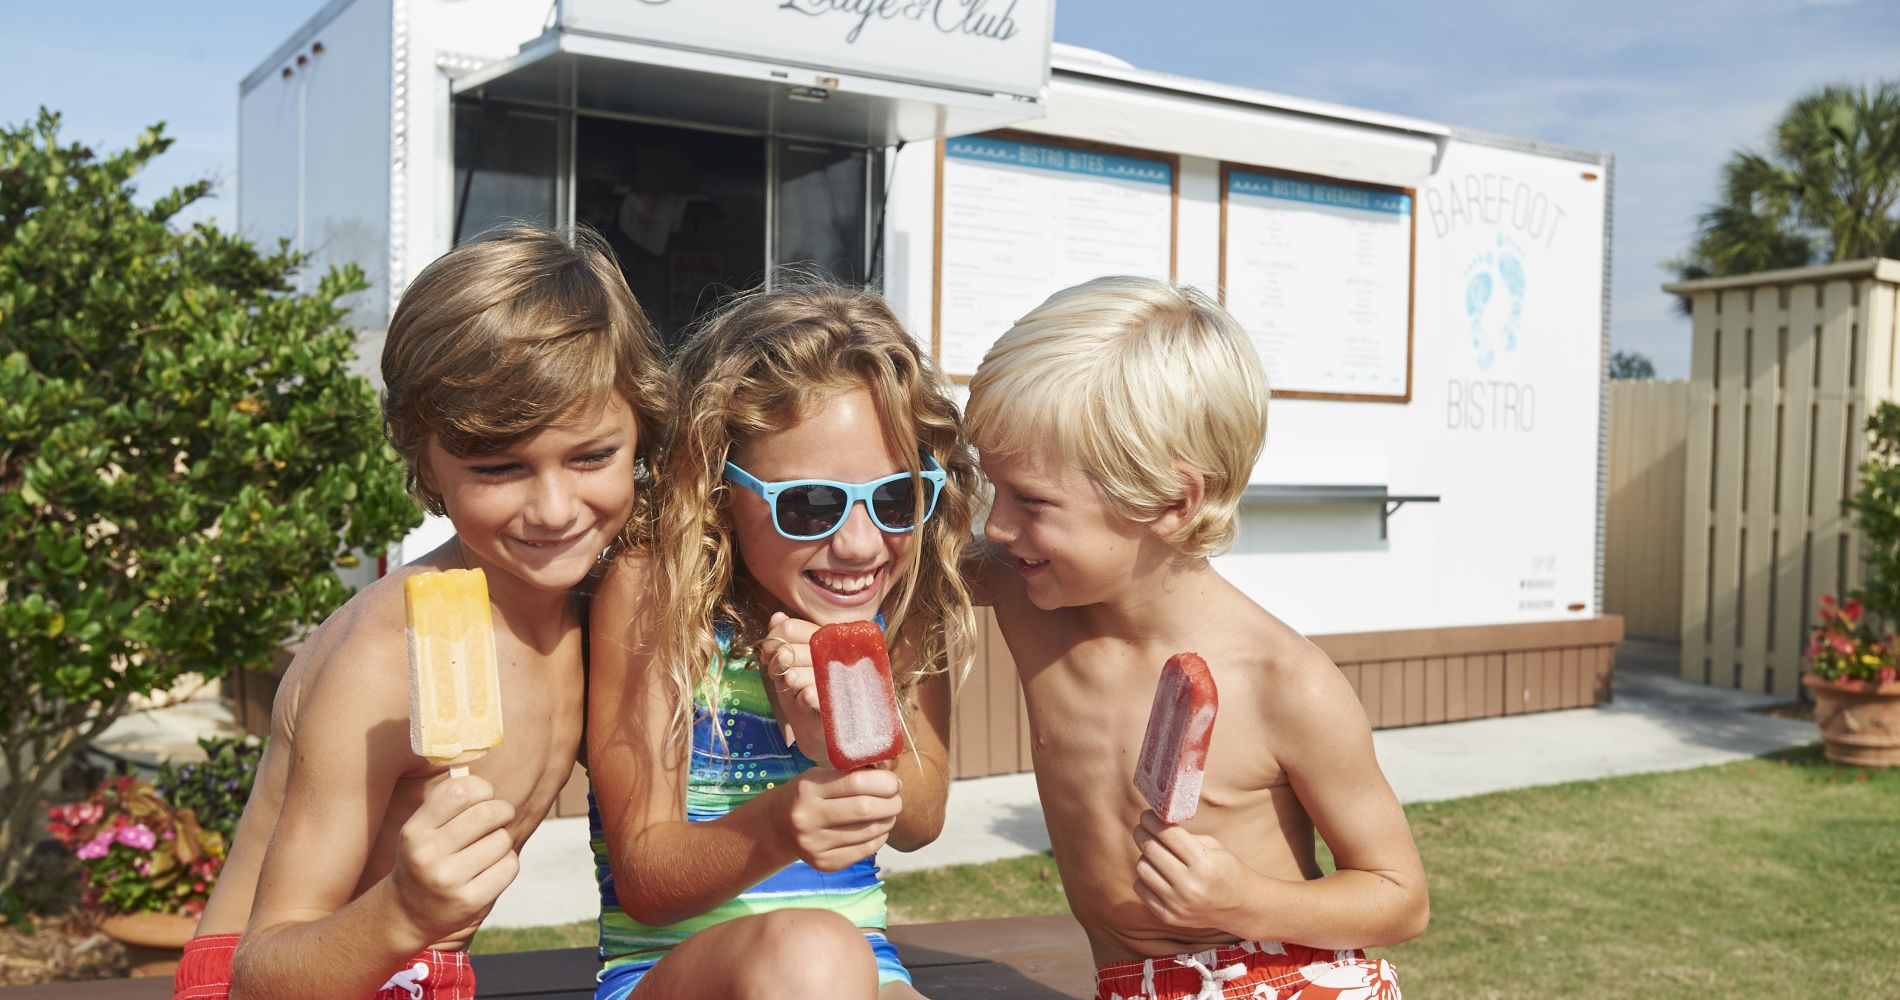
point(987, 46)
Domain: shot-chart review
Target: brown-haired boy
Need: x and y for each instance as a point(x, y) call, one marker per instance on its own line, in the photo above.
point(524, 390)
point(1119, 424)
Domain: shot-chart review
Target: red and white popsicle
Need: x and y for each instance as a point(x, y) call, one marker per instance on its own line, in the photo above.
point(855, 694)
point(1180, 726)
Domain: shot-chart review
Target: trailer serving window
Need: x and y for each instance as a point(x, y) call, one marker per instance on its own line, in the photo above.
point(691, 213)
point(716, 143)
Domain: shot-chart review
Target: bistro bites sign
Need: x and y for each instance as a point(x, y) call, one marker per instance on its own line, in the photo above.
point(987, 46)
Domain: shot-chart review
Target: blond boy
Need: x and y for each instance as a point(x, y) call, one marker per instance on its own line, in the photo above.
point(523, 391)
point(1119, 423)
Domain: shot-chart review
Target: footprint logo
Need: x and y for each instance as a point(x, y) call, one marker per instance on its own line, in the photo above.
point(1494, 300)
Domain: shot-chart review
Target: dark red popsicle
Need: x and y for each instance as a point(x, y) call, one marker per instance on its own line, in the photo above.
point(855, 694)
point(1180, 727)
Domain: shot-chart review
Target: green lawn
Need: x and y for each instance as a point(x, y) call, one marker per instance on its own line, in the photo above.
point(1772, 877)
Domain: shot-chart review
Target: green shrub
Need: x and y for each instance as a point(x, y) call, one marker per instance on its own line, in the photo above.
point(185, 454)
point(1876, 507)
point(217, 787)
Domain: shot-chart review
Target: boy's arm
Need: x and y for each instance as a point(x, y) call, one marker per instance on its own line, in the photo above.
point(674, 869)
point(1376, 896)
point(307, 938)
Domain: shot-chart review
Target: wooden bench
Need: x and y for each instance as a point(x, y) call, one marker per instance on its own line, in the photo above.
point(1037, 958)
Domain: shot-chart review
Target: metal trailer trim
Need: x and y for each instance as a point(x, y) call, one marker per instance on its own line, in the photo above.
point(1603, 380)
point(399, 89)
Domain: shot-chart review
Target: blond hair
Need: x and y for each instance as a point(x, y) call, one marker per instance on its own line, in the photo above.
point(502, 338)
point(1123, 377)
point(753, 368)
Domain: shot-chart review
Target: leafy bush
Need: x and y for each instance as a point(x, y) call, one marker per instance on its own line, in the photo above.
point(216, 788)
point(1876, 507)
point(1631, 365)
point(185, 453)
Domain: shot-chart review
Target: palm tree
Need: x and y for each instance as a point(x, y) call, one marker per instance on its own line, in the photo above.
point(1825, 191)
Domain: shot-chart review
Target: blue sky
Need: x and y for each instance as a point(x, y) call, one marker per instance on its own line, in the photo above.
point(1669, 86)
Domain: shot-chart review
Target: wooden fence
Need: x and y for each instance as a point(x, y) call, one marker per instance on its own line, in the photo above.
point(1784, 369)
point(1403, 678)
point(1642, 548)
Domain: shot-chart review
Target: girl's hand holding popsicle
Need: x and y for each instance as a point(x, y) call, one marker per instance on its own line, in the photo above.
point(785, 656)
point(833, 688)
point(833, 819)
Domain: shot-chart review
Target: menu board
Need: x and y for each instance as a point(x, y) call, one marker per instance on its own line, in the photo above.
point(1319, 272)
point(1021, 219)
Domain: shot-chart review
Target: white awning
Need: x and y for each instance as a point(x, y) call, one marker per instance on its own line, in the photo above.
point(1100, 102)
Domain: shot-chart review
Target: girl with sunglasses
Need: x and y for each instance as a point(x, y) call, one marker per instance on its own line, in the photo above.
point(817, 474)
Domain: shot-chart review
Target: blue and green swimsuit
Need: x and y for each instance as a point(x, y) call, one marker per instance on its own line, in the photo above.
point(738, 752)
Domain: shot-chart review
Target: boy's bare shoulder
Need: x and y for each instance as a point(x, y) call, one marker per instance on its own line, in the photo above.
point(359, 653)
point(1297, 679)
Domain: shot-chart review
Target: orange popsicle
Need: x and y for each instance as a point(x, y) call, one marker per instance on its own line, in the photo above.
point(454, 687)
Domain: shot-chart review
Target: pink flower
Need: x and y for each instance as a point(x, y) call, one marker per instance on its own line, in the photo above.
point(142, 867)
point(94, 848)
point(1887, 675)
point(137, 836)
point(1843, 645)
point(1827, 600)
point(1852, 610)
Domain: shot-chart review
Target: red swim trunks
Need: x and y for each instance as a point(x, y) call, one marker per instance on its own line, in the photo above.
point(204, 973)
point(1255, 970)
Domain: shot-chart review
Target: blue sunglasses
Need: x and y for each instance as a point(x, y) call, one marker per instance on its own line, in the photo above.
point(805, 510)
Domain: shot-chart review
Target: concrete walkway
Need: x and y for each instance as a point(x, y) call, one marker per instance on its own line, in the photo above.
point(1654, 723)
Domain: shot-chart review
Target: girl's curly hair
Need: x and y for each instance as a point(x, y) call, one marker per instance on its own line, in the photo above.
point(753, 368)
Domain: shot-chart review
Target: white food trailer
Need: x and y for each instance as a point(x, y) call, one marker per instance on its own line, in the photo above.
point(1431, 303)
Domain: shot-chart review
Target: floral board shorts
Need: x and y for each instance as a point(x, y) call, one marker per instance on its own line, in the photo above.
point(1254, 970)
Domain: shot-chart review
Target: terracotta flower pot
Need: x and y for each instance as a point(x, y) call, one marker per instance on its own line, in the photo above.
point(153, 941)
point(1860, 724)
